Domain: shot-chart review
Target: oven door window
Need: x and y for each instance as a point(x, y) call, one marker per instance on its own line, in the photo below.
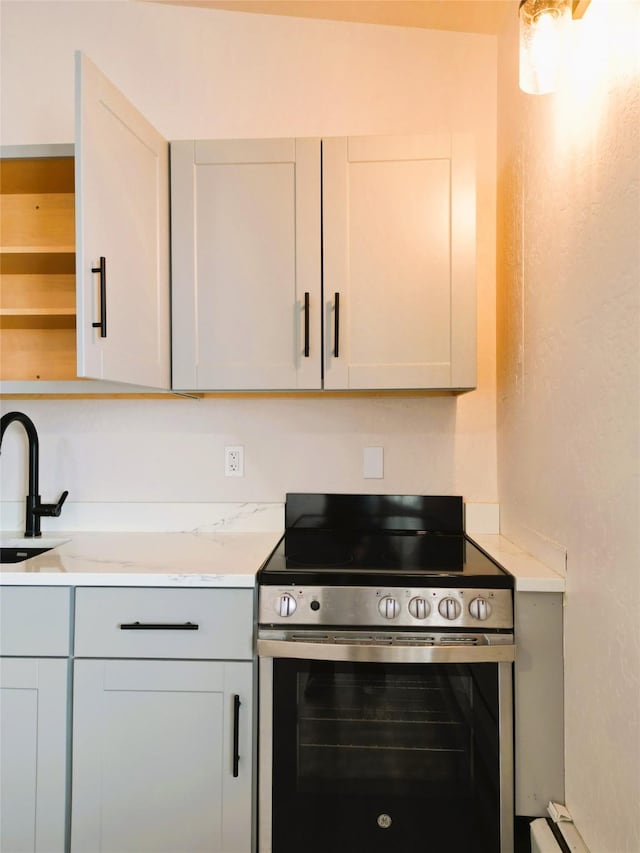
point(394, 758)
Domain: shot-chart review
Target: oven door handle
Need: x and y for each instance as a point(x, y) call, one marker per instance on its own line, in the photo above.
point(374, 653)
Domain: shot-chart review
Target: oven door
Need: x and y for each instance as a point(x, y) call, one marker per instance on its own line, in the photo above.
point(385, 749)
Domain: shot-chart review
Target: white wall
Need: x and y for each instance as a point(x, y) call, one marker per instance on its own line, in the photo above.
point(569, 386)
point(200, 73)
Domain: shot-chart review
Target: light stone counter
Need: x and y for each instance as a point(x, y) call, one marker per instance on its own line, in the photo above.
point(529, 573)
point(142, 559)
point(201, 558)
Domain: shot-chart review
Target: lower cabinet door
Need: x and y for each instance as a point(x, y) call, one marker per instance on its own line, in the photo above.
point(33, 754)
point(155, 757)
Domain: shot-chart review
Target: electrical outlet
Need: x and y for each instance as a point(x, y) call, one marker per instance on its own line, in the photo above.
point(234, 461)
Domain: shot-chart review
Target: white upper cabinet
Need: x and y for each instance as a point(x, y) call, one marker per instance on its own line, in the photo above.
point(399, 262)
point(122, 226)
point(354, 273)
point(246, 264)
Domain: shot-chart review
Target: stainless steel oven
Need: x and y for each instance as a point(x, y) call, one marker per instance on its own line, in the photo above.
point(385, 708)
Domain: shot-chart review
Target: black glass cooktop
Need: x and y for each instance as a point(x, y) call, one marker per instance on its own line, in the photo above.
point(380, 540)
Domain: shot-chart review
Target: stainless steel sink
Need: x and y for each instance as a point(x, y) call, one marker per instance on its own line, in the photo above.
point(19, 554)
point(17, 549)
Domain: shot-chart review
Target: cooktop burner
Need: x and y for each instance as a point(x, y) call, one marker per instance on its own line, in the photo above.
point(378, 540)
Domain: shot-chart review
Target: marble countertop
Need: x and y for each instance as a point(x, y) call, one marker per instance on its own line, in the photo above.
point(196, 559)
point(529, 573)
point(202, 559)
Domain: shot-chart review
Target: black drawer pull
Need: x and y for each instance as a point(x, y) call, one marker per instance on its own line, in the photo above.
point(236, 734)
point(159, 626)
point(336, 320)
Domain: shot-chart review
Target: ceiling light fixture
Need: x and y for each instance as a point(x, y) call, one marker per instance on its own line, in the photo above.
point(543, 36)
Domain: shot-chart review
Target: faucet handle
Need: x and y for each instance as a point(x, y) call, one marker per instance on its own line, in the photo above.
point(51, 510)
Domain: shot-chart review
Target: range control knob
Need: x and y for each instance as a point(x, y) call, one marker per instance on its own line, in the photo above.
point(480, 609)
point(286, 605)
point(388, 607)
point(450, 608)
point(419, 607)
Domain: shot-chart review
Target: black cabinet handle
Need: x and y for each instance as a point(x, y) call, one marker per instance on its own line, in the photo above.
point(306, 325)
point(102, 322)
point(159, 626)
point(236, 734)
point(336, 320)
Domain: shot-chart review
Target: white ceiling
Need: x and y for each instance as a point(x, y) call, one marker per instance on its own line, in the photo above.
point(472, 16)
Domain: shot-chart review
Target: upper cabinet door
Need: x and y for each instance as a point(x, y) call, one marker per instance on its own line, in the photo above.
point(122, 216)
point(246, 264)
point(399, 262)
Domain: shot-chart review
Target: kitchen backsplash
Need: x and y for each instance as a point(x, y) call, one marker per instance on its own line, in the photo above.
point(172, 451)
point(192, 517)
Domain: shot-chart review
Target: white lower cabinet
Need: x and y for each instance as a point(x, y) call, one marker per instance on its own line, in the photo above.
point(161, 737)
point(153, 757)
point(539, 723)
point(33, 754)
point(162, 731)
point(34, 691)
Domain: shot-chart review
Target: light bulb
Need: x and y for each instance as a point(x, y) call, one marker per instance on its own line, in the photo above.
point(543, 32)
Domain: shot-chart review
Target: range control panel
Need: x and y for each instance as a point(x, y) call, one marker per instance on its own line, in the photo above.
point(346, 606)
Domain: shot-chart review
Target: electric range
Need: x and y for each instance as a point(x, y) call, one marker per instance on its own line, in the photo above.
point(381, 560)
point(385, 653)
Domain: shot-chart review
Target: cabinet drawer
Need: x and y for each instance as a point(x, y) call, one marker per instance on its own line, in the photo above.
point(164, 623)
point(34, 621)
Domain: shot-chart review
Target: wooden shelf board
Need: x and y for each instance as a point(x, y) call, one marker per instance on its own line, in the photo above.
point(44, 292)
point(38, 221)
point(38, 312)
point(34, 353)
point(37, 174)
point(33, 263)
point(36, 322)
point(30, 250)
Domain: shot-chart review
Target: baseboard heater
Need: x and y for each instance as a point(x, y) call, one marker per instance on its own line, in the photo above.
point(550, 837)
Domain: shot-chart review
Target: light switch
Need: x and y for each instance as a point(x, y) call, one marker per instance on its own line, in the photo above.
point(373, 463)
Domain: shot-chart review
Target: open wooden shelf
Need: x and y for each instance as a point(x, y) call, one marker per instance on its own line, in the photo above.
point(21, 175)
point(36, 353)
point(38, 263)
point(24, 250)
point(38, 222)
point(37, 292)
point(37, 269)
point(37, 312)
